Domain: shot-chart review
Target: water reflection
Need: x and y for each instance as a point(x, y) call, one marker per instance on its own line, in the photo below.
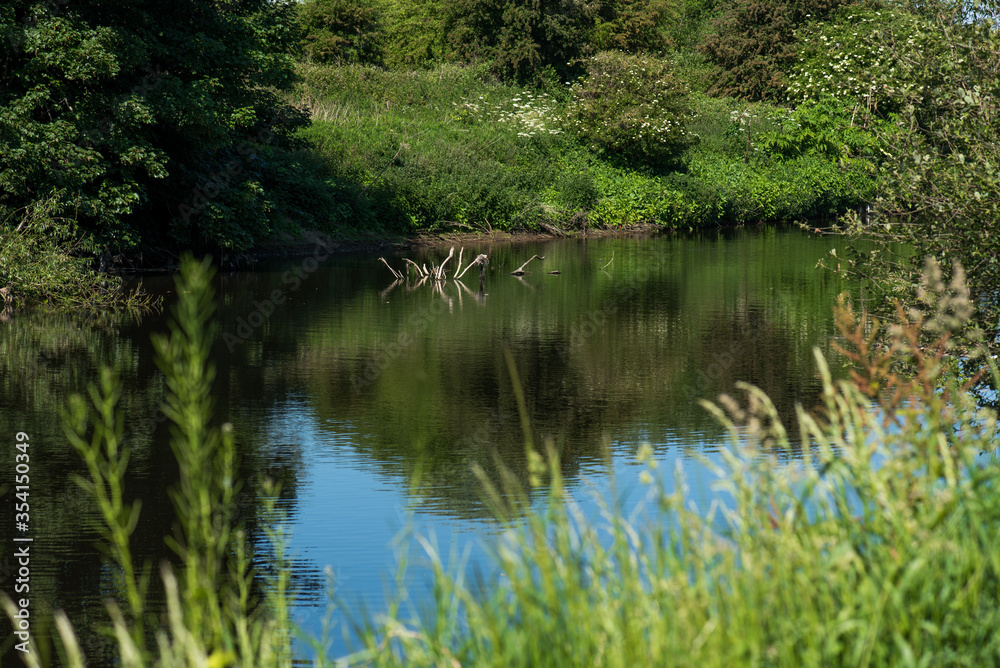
point(367, 396)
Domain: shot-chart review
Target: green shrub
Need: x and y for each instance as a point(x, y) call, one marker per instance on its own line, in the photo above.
point(634, 26)
point(44, 258)
point(630, 108)
point(855, 57)
point(520, 40)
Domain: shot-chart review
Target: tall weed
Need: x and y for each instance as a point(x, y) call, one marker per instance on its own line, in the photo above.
point(210, 617)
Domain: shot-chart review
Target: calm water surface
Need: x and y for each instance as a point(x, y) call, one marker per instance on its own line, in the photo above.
point(370, 401)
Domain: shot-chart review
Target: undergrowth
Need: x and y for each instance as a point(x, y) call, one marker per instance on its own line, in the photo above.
point(44, 260)
point(450, 149)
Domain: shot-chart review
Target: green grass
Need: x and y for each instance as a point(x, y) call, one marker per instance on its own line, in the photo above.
point(866, 537)
point(447, 149)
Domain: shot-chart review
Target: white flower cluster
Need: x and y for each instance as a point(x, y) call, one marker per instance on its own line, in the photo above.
point(529, 113)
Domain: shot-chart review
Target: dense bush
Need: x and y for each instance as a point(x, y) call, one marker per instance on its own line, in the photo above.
point(630, 108)
point(520, 39)
point(754, 44)
point(634, 25)
point(855, 56)
point(928, 91)
point(45, 259)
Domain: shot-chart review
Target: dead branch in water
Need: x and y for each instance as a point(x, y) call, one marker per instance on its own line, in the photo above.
point(395, 273)
point(437, 271)
point(439, 274)
point(420, 272)
point(520, 270)
point(480, 260)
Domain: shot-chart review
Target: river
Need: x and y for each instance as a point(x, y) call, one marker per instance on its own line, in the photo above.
point(371, 401)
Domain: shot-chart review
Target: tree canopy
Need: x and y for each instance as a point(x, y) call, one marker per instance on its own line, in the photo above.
point(151, 124)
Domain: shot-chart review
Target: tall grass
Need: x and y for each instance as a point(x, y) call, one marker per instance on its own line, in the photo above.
point(210, 617)
point(866, 536)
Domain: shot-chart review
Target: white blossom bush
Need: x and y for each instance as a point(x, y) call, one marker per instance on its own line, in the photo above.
point(859, 55)
point(630, 107)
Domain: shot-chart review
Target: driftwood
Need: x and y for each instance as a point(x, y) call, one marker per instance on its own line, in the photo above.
point(480, 260)
point(438, 272)
point(420, 272)
point(395, 273)
point(520, 270)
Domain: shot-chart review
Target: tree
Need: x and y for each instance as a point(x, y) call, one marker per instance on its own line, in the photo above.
point(936, 114)
point(341, 31)
point(754, 44)
point(521, 39)
point(151, 124)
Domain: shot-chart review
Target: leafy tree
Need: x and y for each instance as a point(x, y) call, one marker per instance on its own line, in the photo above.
point(341, 31)
point(938, 188)
point(520, 39)
point(523, 39)
point(415, 32)
point(854, 56)
point(635, 25)
point(630, 108)
point(152, 124)
point(754, 44)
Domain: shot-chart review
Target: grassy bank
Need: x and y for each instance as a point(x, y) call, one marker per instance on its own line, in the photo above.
point(876, 545)
point(448, 149)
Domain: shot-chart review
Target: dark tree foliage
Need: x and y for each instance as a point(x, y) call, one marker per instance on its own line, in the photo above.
point(521, 39)
point(754, 44)
point(341, 31)
point(152, 124)
point(635, 26)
